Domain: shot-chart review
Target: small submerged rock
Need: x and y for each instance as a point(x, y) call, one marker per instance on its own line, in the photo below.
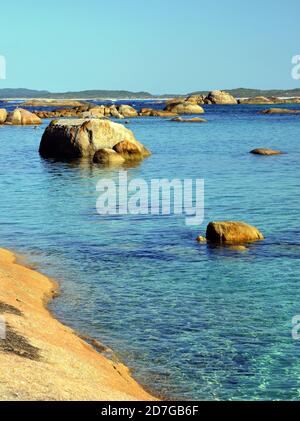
point(280, 111)
point(239, 248)
point(201, 239)
point(264, 151)
point(232, 232)
point(189, 120)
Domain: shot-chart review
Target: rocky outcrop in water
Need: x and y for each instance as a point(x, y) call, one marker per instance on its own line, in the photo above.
point(280, 111)
point(219, 97)
point(91, 111)
point(81, 138)
point(19, 117)
point(213, 97)
point(256, 100)
point(3, 115)
point(184, 107)
point(196, 99)
point(149, 112)
point(232, 232)
point(262, 100)
point(52, 103)
point(223, 97)
point(291, 101)
point(127, 111)
point(264, 151)
point(189, 120)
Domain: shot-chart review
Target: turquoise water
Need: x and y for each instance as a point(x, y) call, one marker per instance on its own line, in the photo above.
point(192, 321)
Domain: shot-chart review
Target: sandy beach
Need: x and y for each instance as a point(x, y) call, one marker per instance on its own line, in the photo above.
point(41, 359)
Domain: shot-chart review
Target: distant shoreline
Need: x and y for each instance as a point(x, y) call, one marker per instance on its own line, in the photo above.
point(114, 99)
point(123, 95)
point(85, 99)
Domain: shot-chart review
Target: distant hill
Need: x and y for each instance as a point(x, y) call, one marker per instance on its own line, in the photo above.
point(92, 94)
point(104, 94)
point(22, 93)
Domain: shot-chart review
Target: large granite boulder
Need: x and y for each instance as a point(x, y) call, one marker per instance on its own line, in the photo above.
point(173, 101)
point(21, 117)
point(146, 112)
point(220, 97)
point(184, 107)
point(292, 101)
point(196, 99)
point(232, 232)
point(114, 113)
point(108, 158)
point(81, 138)
point(95, 112)
point(127, 111)
point(3, 115)
point(131, 151)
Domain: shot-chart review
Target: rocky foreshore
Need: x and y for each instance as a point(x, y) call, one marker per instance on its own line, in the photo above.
point(41, 359)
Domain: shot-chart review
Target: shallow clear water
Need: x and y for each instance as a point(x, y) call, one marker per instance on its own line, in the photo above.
point(192, 321)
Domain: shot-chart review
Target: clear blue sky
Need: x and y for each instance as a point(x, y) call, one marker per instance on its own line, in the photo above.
point(159, 46)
